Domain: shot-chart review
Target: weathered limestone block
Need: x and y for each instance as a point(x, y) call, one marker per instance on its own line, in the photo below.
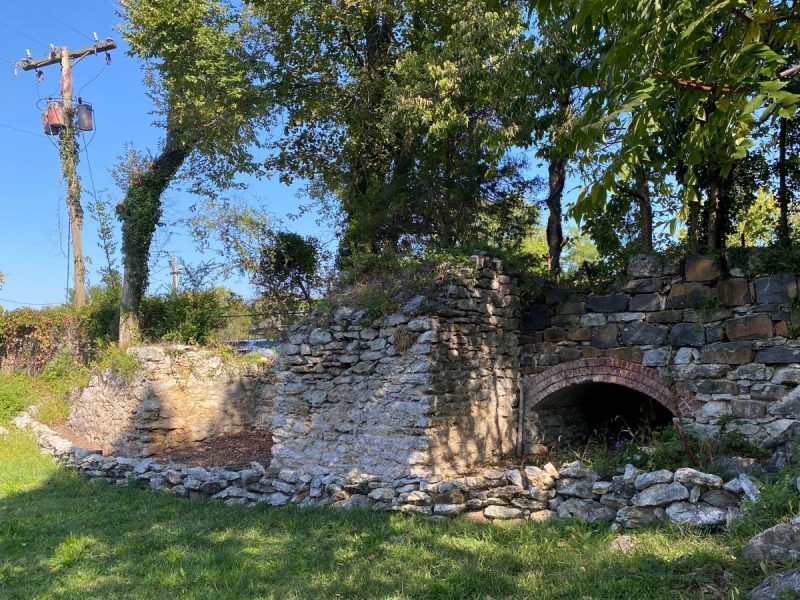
point(734, 292)
point(687, 334)
point(750, 327)
point(732, 353)
point(660, 495)
point(778, 543)
point(645, 265)
point(776, 289)
point(701, 268)
point(607, 304)
point(687, 295)
point(642, 334)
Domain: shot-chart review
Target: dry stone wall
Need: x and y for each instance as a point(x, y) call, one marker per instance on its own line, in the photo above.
point(722, 346)
point(180, 396)
point(429, 389)
point(629, 499)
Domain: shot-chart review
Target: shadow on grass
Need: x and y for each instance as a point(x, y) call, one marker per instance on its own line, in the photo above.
point(64, 537)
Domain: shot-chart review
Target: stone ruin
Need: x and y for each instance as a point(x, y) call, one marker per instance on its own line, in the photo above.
point(180, 396)
point(453, 383)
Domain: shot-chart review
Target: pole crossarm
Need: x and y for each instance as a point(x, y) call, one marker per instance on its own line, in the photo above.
point(26, 64)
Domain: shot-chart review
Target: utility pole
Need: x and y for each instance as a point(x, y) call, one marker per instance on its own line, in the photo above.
point(69, 149)
point(174, 275)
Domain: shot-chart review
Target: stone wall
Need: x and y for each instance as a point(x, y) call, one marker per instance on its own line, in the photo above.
point(630, 498)
point(432, 388)
point(706, 344)
point(180, 396)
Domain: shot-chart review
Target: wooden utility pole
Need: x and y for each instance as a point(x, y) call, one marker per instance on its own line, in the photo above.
point(69, 151)
point(174, 275)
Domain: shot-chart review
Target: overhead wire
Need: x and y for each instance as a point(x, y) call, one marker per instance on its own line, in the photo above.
point(23, 34)
point(30, 303)
point(62, 21)
point(20, 130)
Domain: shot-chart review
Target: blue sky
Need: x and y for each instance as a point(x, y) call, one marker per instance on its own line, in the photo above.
point(33, 221)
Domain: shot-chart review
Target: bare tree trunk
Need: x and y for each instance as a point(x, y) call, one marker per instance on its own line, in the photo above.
point(783, 190)
point(645, 211)
point(719, 203)
point(140, 212)
point(555, 234)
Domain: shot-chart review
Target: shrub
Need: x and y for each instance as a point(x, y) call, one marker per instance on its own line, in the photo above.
point(16, 394)
point(119, 361)
point(188, 317)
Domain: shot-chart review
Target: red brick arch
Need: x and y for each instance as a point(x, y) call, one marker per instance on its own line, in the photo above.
point(611, 370)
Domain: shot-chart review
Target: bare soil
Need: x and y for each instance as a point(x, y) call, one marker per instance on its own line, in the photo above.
point(229, 450)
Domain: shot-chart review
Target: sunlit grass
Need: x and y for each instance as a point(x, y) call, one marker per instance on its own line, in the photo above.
point(64, 537)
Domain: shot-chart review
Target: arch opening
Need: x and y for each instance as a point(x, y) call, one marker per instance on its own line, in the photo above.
point(598, 411)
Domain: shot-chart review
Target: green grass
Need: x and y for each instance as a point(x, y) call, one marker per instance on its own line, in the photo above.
point(49, 391)
point(63, 537)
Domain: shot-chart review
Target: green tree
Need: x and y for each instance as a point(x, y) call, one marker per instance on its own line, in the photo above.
point(404, 110)
point(208, 89)
point(711, 71)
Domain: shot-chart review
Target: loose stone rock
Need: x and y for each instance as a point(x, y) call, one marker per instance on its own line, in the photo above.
point(696, 515)
point(660, 495)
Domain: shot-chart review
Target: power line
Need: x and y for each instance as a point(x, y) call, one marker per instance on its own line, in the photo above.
point(20, 130)
point(62, 21)
point(30, 303)
point(22, 33)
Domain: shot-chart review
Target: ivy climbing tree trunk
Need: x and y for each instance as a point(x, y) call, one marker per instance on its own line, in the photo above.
point(555, 236)
point(140, 213)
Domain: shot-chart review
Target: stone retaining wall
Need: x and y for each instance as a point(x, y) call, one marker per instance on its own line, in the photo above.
point(181, 396)
point(629, 499)
point(706, 345)
point(432, 388)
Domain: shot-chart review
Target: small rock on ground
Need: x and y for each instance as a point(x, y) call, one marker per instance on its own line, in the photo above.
point(623, 544)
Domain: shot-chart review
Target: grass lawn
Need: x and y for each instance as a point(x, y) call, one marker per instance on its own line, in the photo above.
point(63, 537)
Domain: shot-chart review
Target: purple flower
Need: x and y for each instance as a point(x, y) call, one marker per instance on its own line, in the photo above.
point(618, 444)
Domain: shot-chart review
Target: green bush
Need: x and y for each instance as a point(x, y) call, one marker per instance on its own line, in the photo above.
point(188, 317)
point(119, 361)
point(16, 394)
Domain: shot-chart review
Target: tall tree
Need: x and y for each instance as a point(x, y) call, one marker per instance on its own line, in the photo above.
point(718, 67)
point(208, 88)
point(403, 109)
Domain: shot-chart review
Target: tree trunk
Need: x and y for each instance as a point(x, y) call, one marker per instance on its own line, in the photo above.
point(783, 190)
point(555, 235)
point(645, 211)
point(718, 203)
point(140, 212)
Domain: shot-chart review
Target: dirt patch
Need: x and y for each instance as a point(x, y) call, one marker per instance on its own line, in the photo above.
point(78, 440)
point(236, 449)
point(229, 450)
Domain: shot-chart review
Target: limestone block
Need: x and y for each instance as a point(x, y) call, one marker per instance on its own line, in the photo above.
point(687, 295)
point(696, 515)
point(604, 336)
point(780, 355)
point(607, 303)
point(645, 302)
point(734, 292)
point(734, 353)
point(642, 334)
point(660, 495)
point(645, 265)
point(701, 268)
point(750, 327)
point(687, 334)
point(776, 289)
